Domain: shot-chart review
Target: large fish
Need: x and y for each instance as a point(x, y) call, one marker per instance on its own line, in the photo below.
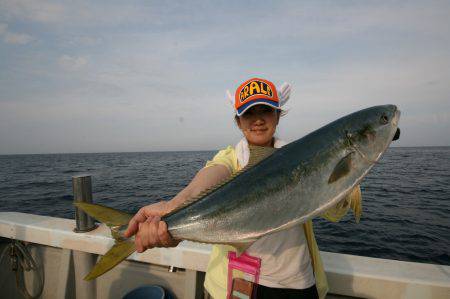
point(279, 188)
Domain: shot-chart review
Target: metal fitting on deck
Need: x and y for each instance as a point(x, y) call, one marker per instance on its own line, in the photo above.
point(82, 192)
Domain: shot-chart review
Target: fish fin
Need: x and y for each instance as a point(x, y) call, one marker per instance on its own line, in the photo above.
point(107, 215)
point(117, 253)
point(241, 247)
point(258, 153)
point(341, 169)
point(356, 202)
point(188, 201)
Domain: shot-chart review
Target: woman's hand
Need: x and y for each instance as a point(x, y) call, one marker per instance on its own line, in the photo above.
point(153, 233)
point(157, 209)
point(149, 229)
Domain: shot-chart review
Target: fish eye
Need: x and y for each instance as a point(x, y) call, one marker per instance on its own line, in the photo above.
point(384, 119)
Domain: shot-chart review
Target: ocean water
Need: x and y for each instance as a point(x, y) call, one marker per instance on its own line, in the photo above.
point(406, 196)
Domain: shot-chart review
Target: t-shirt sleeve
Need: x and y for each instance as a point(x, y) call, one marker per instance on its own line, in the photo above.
point(225, 157)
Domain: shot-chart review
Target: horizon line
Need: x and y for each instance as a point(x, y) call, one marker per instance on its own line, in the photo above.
point(162, 151)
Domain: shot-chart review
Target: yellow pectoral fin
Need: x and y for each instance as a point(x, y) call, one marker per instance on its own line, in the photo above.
point(119, 252)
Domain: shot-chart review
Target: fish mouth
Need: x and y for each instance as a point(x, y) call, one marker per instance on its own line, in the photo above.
point(396, 135)
point(395, 123)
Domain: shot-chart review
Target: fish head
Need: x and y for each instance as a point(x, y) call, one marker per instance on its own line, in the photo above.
point(372, 130)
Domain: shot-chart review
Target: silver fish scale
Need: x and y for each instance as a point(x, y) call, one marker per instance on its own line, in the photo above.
point(291, 186)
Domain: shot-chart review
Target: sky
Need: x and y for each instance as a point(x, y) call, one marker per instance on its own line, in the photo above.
point(113, 76)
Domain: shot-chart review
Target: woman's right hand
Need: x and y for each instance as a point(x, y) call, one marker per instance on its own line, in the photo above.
point(149, 229)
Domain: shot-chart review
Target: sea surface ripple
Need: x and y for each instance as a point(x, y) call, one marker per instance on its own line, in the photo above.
point(406, 196)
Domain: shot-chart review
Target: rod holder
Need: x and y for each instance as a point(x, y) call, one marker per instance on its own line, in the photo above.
point(82, 192)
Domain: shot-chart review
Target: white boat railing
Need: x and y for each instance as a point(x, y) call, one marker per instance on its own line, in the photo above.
point(347, 275)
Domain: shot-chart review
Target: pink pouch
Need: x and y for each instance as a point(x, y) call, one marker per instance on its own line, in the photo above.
point(246, 263)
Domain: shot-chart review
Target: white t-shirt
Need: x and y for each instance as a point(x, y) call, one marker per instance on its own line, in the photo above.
point(285, 260)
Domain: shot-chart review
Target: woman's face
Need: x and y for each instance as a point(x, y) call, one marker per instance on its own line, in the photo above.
point(258, 124)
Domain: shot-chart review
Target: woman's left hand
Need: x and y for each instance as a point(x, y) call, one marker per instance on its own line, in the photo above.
point(153, 233)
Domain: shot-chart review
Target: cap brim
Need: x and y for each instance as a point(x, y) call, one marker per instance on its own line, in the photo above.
point(241, 110)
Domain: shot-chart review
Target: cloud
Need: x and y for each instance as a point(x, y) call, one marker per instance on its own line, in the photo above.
point(72, 63)
point(83, 40)
point(14, 38)
point(40, 11)
point(76, 13)
point(17, 38)
point(141, 73)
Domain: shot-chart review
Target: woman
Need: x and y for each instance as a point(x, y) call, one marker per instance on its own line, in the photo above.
point(290, 262)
